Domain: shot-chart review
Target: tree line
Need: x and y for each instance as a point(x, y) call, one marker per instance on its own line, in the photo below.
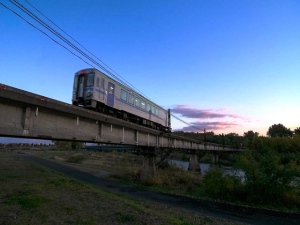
point(271, 164)
point(235, 140)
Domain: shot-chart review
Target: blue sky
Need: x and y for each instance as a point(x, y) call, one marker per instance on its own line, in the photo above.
point(226, 66)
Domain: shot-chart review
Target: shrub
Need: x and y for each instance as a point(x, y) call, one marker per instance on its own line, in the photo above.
point(219, 186)
point(266, 180)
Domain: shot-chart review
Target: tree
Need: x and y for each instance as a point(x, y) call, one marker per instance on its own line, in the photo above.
point(250, 134)
point(233, 139)
point(278, 130)
point(297, 130)
point(266, 179)
point(251, 140)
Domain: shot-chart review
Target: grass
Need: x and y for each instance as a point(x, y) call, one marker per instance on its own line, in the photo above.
point(126, 168)
point(124, 217)
point(76, 158)
point(32, 194)
point(27, 201)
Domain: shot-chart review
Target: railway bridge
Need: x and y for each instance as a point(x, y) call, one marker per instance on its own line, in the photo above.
point(28, 115)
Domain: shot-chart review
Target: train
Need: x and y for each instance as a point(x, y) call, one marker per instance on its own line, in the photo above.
point(95, 90)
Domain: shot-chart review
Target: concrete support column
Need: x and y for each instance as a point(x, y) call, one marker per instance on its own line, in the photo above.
point(216, 160)
point(149, 170)
point(194, 165)
point(26, 120)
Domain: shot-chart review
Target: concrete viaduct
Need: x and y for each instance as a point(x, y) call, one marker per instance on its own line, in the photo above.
point(28, 115)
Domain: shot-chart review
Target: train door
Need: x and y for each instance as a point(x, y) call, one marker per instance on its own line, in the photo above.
point(111, 94)
point(80, 87)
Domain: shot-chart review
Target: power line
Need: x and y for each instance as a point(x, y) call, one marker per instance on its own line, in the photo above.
point(43, 32)
point(32, 15)
point(121, 80)
point(29, 13)
point(61, 37)
point(181, 120)
point(81, 45)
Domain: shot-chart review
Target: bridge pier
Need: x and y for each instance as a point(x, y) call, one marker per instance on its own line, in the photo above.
point(148, 170)
point(216, 158)
point(194, 165)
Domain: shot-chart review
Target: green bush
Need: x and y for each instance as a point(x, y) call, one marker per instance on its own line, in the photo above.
point(267, 181)
point(220, 186)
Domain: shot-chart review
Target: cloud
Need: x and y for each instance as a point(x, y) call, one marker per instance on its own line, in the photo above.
point(208, 126)
point(193, 113)
point(201, 115)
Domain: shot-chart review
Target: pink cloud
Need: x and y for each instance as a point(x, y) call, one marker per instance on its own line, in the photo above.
point(202, 114)
point(194, 113)
point(209, 126)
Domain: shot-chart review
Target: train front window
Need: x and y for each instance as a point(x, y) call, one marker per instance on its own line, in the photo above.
point(90, 80)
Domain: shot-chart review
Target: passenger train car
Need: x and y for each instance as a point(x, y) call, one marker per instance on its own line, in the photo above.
point(95, 90)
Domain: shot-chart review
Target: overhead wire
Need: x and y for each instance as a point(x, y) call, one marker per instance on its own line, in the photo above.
point(69, 43)
point(128, 84)
point(28, 12)
point(181, 120)
point(37, 19)
point(121, 80)
point(42, 32)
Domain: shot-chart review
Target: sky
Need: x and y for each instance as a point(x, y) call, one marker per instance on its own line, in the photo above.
point(227, 66)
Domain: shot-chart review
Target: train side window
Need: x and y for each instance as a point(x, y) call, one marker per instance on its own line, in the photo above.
point(152, 109)
point(124, 95)
point(130, 98)
point(156, 111)
point(102, 83)
point(98, 81)
point(143, 105)
point(137, 102)
point(148, 107)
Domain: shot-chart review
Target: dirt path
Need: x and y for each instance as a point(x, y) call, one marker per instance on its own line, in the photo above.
point(245, 215)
